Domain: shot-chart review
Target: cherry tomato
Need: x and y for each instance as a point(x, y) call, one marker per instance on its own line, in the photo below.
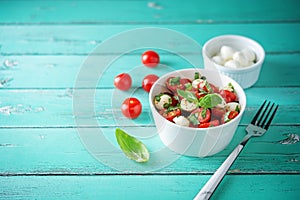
point(228, 96)
point(204, 115)
point(123, 81)
point(174, 83)
point(148, 81)
point(184, 81)
point(199, 95)
point(150, 59)
point(209, 124)
point(131, 108)
point(203, 85)
point(171, 114)
point(232, 114)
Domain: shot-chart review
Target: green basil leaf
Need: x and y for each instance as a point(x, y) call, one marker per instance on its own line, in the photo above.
point(210, 101)
point(203, 113)
point(132, 147)
point(187, 95)
point(175, 81)
point(188, 86)
point(197, 75)
point(194, 120)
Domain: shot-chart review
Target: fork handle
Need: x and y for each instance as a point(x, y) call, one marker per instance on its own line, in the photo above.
point(209, 188)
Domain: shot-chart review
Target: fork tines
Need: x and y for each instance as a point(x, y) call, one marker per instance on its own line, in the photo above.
point(264, 115)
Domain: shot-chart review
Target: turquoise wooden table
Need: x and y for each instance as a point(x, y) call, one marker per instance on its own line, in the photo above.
point(43, 46)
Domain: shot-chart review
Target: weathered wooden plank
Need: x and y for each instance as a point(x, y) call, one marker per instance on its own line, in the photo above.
point(61, 151)
point(54, 108)
point(57, 40)
point(147, 12)
point(38, 72)
point(147, 187)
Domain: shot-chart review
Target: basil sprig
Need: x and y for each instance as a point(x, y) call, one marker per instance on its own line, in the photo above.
point(191, 97)
point(132, 147)
point(210, 101)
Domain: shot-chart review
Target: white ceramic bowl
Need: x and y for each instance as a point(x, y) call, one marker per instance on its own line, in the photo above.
point(246, 76)
point(198, 142)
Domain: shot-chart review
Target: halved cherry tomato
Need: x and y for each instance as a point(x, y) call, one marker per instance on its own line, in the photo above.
point(208, 87)
point(233, 114)
point(199, 95)
point(123, 81)
point(204, 115)
point(202, 85)
point(150, 59)
point(184, 81)
point(201, 114)
point(148, 81)
point(228, 96)
point(169, 115)
point(209, 124)
point(131, 108)
point(174, 83)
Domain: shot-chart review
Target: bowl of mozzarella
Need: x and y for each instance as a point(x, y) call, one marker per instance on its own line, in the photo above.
point(238, 57)
point(196, 111)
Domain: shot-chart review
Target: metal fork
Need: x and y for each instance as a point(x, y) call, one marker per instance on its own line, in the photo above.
point(258, 126)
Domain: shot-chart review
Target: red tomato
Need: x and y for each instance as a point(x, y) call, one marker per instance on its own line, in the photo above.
point(228, 96)
point(199, 95)
point(171, 114)
point(202, 85)
point(148, 81)
point(131, 108)
point(209, 124)
point(174, 83)
point(123, 81)
point(150, 59)
point(232, 114)
point(205, 117)
point(184, 81)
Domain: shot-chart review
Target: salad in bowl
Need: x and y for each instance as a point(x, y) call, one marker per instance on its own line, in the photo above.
point(196, 102)
point(196, 111)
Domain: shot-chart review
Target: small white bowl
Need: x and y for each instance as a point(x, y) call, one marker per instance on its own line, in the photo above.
point(198, 142)
point(246, 76)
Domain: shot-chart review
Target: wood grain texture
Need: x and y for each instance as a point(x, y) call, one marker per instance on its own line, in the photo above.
point(45, 151)
point(53, 108)
point(82, 39)
point(45, 72)
point(147, 187)
point(43, 45)
point(148, 12)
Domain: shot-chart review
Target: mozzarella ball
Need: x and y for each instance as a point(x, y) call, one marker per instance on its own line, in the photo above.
point(187, 106)
point(181, 120)
point(249, 54)
point(233, 64)
point(232, 106)
point(218, 60)
point(241, 58)
point(196, 82)
point(227, 52)
point(164, 99)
